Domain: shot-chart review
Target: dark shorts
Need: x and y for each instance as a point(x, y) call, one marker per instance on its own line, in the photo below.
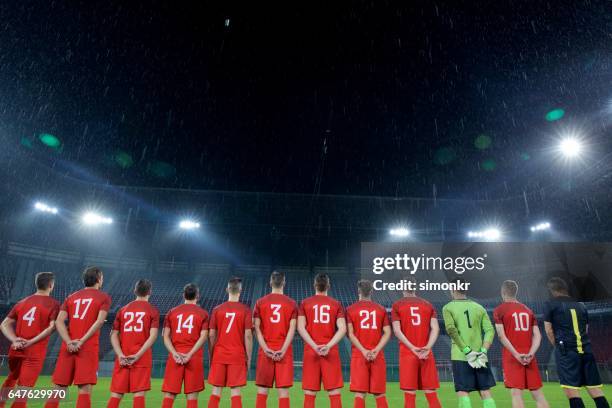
point(470, 379)
point(577, 370)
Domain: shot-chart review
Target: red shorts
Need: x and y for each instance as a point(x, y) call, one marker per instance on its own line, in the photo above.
point(191, 374)
point(519, 376)
point(130, 379)
point(228, 375)
point(417, 374)
point(79, 368)
point(23, 371)
point(316, 369)
point(368, 376)
point(270, 372)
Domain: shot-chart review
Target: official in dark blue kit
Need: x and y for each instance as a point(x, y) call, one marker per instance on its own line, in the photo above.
point(566, 322)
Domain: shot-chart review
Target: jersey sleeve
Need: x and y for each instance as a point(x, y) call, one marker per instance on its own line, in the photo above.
point(205, 320)
point(434, 312)
point(248, 319)
point(451, 328)
point(487, 327)
point(534, 319)
point(13, 313)
point(117, 321)
point(385, 318)
point(341, 312)
point(256, 314)
point(348, 316)
point(294, 310)
point(54, 311)
point(301, 310)
point(106, 303)
point(395, 314)
point(167, 323)
point(64, 305)
point(497, 315)
point(155, 319)
point(212, 323)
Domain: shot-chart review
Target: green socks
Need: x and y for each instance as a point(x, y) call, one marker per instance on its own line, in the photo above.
point(488, 403)
point(464, 402)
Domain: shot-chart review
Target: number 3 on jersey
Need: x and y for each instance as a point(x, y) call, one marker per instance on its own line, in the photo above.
point(276, 316)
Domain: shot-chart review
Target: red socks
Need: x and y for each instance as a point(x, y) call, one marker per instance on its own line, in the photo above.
point(432, 400)
point(359, 402)
point(283, 403)
point(409, 400)
point(113, 402)
point(139, 402)
point(335, 401)
point(262, 401)
point(381, 402)
point(213, 402)
point(190, 404)
point(168, 402)
point(309, 401)
point(83, 401)
point(236, 401)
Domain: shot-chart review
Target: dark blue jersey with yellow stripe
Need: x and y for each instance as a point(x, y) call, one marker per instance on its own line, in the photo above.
point(569, 319)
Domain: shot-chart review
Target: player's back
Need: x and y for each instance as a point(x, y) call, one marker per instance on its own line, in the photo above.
point(569, 319)
point(83, 308)
point(275, 312)
point(368, 319)
point(230, 320)
point(185, 323)
point(32, 315)
point(321, 313)
point(134, 322)
point(414, 315)
point(518, 321)
point(470, 319)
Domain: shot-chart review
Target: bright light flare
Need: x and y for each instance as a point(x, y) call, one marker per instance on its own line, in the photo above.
point(40, 206)
point(399, 232)
point(91, 218)
point(489, 234)
point(543, 226)
point(570, 147)
point(189, 225)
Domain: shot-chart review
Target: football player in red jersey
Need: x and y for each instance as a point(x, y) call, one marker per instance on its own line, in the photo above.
point(185, 332)
point(134, 331)
point(369, 331)
point(520, 335)
point(415, 324)
point(275, 318)
point(322, 325)
point(231, 345)
point(28, 327)
point(77, 363)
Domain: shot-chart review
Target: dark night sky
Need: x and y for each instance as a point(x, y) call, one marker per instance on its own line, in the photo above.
point(374, 98)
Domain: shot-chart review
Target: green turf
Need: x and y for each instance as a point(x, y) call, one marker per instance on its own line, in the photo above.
point(395, 397)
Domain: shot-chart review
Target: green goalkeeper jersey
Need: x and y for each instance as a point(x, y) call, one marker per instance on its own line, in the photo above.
point(466, 321)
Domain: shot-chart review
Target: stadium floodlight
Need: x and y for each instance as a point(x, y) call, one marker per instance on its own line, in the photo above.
point(189, 225)
point(570, 147)
point(91, 218)
point(42, 207)
point(489, 234)
point(543, 226)
point(399, 232)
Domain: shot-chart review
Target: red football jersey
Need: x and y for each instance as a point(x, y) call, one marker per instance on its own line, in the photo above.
point(275, 311)
point(368, 319)
point(82, 308)
point(185, 323)
point(414, 315)
point(32, 315)
point(134, 322)
point(321, 313)
point(230, 320)
point(518, 321)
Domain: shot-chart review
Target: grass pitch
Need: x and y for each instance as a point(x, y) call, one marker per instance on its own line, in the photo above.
point(395, 397)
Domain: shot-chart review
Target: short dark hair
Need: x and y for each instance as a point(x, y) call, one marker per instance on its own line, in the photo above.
point(142, 288)
point(365, 287)
point(91, 276)
point(510, 288)
point(459, 282)
point(321, 282)
point(234, 285)
point(277, 279)
point(191, 291)
point(43, 280)
point(557, 284)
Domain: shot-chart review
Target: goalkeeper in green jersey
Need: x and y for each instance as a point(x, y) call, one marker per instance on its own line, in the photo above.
point(471, 331)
